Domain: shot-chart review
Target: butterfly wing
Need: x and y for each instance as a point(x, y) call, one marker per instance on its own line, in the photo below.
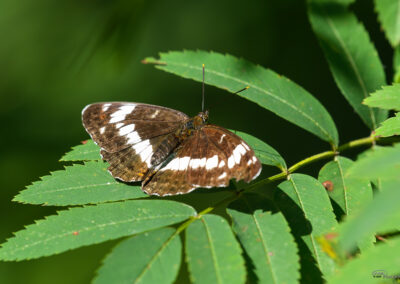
point(131, 134)
point(118, 125)
point(209, 158)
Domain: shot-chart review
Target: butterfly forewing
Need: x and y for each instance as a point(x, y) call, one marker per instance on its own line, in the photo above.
point(133, 137)
point(116, 126)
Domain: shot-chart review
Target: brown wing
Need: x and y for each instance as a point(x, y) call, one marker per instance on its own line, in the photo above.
point(209, 158)
point(118, 125)
point(133, 137)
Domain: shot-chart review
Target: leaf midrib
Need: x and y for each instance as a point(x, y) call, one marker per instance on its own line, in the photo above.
point(346, 205)
point(91, 228)
point(37, 192)
point(264, 243)
point(155, 256)
point(213, 253)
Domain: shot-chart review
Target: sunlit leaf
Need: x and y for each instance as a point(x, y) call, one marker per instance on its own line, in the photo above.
point(268, 89)
point(85, 152)
point(212, 252)
point(352, 57)
point(349, 193)
point(150, 257)
point(377, 216)
point(396, 65)
point(389, 127)
point(389, 16)
point(387, 98)
point(79, 184)
point(383, 163)
point(266, 154)
point(378, 265)
point(306, 206)
point(266, 238)
point(88, 225)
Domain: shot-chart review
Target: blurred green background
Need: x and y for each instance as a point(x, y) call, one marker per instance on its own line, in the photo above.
point(58, 56)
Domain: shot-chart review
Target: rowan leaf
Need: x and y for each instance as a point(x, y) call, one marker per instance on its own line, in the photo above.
point(307, 208)
point(150, 257)
point(212, 252)
point(89, 225)
point(77, 185)
point(351, 56)
point(268, 89)
point(266, 154)
point(84, 152)
point(389, 16)
point(266, 239)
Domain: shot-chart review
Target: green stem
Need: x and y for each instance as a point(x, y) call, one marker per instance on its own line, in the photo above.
point(282, 175)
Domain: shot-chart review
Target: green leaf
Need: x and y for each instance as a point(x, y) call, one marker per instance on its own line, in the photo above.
point(389, 16)
point(349, 193)
point(268, 89)
point(352, 57)
point(383, 163)
point(341, 2)
point(382, 260)
point(151, 257)
point(387, 98)
point(79, 184)
point(85, 152)
point(212, 252)
point(383, 211)
point(389, 127)
point(304, 202)
point(396, 65)
point(266, 238)
point(266, 154)
point(79, 227)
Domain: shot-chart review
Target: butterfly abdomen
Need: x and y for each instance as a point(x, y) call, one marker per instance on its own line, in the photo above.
point(164, 149)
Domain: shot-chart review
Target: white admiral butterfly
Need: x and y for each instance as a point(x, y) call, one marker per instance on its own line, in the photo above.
point(168, 151)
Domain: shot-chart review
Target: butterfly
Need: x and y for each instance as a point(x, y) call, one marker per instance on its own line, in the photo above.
point(169, 152)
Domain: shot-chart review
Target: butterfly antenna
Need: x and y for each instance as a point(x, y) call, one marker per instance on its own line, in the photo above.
point(244, 89)
point(202, 92)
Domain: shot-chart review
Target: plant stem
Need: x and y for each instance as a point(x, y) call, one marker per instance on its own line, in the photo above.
point(235, 195)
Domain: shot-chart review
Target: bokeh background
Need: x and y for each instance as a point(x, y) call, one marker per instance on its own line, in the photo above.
point(58, 56)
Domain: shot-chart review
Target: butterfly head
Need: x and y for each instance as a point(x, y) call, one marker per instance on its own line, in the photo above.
point(200, 120)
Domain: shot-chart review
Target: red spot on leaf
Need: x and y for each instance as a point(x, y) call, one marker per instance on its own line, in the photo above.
point(84, 142)
point(75, 233)
point(328, 185)
point(331, 236)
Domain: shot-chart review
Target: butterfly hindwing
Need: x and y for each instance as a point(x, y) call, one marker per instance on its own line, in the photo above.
point(209, 158)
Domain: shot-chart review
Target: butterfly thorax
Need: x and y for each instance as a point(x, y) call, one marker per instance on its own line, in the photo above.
point(191, 125)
